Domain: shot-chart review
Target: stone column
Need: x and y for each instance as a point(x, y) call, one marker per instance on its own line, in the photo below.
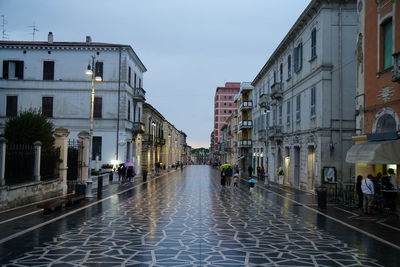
point(61, 141)
point(3, 144)
point(84, 137)
point(38, 151)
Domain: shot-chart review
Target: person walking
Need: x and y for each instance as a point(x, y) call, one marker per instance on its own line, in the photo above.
point(250, 170)
point(228, 176)
point(236, 179)
point(367, 187)
point(393, 178)
point(359, 191)
point(223, 177)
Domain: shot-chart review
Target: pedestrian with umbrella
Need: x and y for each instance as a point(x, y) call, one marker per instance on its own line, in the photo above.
point(224, 168)
point(252, 183)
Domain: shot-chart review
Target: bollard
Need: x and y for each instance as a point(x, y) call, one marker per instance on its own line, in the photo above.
point(100, 186)
point(321, 197)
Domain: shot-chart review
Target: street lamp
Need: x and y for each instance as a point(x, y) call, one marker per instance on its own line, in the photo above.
point(90, 71)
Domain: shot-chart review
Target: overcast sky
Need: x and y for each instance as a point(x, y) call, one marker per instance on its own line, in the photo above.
point(189, 47)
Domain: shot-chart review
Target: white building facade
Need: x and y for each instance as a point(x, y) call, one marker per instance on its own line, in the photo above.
point(51, 76)
point(306, 97)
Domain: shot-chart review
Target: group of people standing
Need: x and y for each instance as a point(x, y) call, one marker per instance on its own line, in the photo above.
point(369, 191)
point(125, 173)
point(226, 177)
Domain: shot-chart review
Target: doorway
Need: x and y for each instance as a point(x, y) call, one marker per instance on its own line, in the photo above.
point(296, 166)
point(311, 168)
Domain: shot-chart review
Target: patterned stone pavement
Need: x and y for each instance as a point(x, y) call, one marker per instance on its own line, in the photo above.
point(189, 220)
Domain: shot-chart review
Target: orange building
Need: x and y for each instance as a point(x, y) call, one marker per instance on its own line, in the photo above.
point(378, 88)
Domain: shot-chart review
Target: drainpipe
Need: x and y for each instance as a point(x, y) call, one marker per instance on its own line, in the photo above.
point(340, 91)
point(119, 100)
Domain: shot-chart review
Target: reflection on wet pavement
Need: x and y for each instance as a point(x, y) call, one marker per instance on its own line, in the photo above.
point(187, 219)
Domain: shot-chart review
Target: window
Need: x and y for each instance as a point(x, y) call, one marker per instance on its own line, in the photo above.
point(289, 66)
point(288, 112)
point(386, 124)
point(274, 116)
point(298, 57)
point(13, 69)
point(298, 99)
point(138, 114)
point(99, 70)
point(140, 83)
point(281, 72)
point(134, 80)
point(129, 75)
point(387, 38)
point(96, 147)
point(313, 43)
point(280, 114)
point(274, 76)
point(98, 106)
point(11, 105)
point(47, 106)
point(129, 110)
point(134, 110)
point(48, 70)
point(313, 102)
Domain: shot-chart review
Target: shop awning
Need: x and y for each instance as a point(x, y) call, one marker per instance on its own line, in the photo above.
point(377, 152)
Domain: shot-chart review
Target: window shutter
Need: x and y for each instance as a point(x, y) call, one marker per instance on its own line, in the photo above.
point(5, 69)
point(19, 70)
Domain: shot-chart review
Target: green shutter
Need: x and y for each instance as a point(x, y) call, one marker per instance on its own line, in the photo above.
point(388, 45)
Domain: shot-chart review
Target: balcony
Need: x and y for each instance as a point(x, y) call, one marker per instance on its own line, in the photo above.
point(160, 141)
point(139, 93)
point(245, 143)
point(138, 128)
point(275, 133)
point(147, 139)
point(246, 105)
point(396, 67)
point(235, 128)
point(235, 113)
point(245, 125)
point(276, 91)
point(264, 100)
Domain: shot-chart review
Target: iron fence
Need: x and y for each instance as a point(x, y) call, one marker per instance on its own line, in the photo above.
point(20, 163)
point(74, 163)
point(342, 193)
point(49, 164)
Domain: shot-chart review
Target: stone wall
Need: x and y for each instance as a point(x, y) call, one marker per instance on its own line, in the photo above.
point(18, 195)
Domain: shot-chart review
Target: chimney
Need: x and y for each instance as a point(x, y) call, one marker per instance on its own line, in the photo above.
point(88, 39)
point(50, 38)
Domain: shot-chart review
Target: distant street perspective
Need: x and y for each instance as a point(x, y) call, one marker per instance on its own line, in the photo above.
point(186, 218)
point(200, 133)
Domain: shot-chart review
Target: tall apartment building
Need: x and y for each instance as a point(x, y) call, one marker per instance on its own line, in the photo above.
point(50, 76)
point(224, 106)
point(307, 90)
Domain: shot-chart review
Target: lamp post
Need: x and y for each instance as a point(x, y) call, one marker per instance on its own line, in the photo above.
point(90, 71)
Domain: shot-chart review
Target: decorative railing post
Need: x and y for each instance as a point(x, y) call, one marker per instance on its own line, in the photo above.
point(3, 144)
point(61, 141)
point(38, 151)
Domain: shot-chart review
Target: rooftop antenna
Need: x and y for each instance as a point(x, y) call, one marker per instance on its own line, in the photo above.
point(34, 29)
point(3, 26)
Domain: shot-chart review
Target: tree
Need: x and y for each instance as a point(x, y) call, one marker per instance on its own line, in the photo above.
point(28, 127)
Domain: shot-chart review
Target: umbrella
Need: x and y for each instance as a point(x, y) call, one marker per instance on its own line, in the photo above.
point(252, 180)
point(225, 166)
point(128, 164)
